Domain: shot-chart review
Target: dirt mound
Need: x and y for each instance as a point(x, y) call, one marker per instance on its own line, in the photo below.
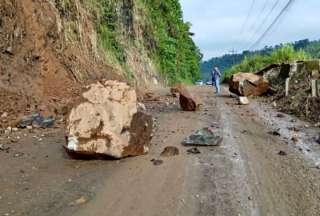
point(299, 100)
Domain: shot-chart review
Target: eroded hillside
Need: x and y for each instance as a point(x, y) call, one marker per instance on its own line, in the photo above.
point(50, 48)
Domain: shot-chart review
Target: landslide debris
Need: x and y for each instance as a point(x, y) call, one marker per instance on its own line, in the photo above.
point(107, 123)
point(248, 84)
point(298, 100)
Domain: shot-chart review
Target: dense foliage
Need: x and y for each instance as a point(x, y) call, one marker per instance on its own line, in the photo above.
point(253, 63)
point(170, 42)
point(253, 60)
point(165, 36)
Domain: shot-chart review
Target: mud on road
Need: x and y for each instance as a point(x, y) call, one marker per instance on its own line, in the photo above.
point(246, 175)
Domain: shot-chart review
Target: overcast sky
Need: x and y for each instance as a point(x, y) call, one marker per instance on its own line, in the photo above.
point(218, 23)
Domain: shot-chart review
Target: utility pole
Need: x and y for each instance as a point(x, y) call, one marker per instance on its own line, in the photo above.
point(233, 52)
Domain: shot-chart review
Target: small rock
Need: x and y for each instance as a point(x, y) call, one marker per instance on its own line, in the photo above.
point(82, 200)
point(142, 107)
point(244, 101)
point(275, 133)
point(9, 50)
point(317, 124)
point(18, 154)
point(29, 127)
point(193, 151)
point(15, 129)
point(280, 115)
point(294, 129)
point(282, 153)
point(157, 162)
point(4, 148)
point(204, 137)
point(170, 151)
point(274, 104)
point(9, 129)
point(4, 115)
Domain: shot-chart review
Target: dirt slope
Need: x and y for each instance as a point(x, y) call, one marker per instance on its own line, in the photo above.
point(244, 176)
point(39, 66)
point(50, 49)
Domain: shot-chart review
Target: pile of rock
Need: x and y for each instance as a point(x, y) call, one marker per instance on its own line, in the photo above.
point(107, 123)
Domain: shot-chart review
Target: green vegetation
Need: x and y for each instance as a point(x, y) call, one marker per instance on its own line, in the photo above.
point(165, 37)
point(284, 54)
point(254, 60)
point(169, 41)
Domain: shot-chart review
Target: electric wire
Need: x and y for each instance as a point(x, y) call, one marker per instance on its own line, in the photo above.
point(274, 22)
point(276, 3)
point(248, 16)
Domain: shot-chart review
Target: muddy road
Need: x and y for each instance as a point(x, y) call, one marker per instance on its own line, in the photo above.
point(254, 172)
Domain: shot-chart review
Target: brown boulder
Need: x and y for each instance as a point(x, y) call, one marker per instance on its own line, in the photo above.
point(176, 89)
point(188, 102)
point(107, 123)
point(248, 84)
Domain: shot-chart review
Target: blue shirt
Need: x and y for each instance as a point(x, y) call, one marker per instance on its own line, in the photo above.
point(215, 73)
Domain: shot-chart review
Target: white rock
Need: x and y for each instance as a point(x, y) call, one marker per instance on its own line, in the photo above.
point(142, 107)
point(4, 115)
point(244, 101)
point(100, 125)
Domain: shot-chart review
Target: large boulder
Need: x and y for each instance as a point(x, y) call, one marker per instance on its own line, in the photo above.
point(107, 123)
point(176, 89)
point(188, 101)
point(248, 84)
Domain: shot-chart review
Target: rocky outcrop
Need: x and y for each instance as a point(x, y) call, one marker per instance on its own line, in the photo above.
point(248, 84)
point(107, 123)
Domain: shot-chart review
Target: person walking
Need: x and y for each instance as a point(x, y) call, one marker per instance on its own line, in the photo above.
point(216, 75)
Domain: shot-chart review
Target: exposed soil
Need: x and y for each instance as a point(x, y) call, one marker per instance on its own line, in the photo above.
point(246, 175)
point(42, 63)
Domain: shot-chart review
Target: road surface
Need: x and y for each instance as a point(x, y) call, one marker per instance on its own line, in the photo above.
point(246, 175)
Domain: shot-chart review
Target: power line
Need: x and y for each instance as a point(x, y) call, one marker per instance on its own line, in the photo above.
point(289, 3)
point(276, 3)
point(260, 14)
point(255, 24)
point(248, 16)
